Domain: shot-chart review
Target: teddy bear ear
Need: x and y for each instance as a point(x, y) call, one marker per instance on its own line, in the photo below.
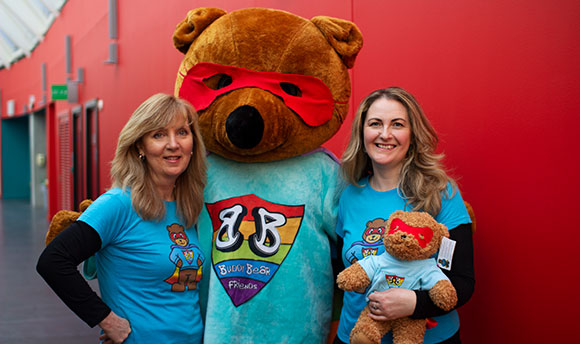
point(343, 35)
point(194, 23)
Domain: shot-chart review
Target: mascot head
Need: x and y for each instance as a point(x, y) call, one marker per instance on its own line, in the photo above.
point(268, 85)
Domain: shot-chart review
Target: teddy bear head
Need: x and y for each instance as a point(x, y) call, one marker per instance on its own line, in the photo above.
point(267, 84)
point(413, 235)
point(374, 230)
point(177, 234)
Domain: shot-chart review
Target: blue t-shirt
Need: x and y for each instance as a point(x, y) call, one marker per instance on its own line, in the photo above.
point(363, 207)
point(138, 273)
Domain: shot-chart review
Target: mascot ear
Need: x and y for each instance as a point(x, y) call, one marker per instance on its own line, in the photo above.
point(343, 35)
point(191, 27)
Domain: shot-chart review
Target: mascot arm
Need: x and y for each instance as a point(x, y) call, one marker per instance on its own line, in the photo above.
point(461, 275)
point(353, 278)
point(58, 266)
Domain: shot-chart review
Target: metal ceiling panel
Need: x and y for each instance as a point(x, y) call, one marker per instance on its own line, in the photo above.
point(23, 24)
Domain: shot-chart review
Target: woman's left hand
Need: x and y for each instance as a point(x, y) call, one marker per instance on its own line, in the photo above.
point(392, 304)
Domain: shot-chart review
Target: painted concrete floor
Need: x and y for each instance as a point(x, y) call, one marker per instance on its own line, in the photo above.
point(29, 311)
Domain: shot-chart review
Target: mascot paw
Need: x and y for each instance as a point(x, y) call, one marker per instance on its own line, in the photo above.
point(64, 218)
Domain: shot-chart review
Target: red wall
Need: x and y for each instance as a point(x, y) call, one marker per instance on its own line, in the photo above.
point(498, 79)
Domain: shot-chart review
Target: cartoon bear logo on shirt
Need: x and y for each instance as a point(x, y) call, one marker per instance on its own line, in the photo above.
point(372, 243)
point(187, 258)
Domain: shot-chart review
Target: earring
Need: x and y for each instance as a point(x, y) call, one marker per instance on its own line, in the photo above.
point(141, 156)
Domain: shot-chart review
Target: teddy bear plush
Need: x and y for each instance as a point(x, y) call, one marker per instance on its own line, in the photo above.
point(411, 239)
point(64, 218)
point(270, 87)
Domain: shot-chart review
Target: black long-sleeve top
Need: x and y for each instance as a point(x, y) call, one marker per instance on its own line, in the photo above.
point(461, 275)
point(58, 265)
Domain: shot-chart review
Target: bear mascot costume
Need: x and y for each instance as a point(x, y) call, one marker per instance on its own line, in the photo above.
point(270, 87)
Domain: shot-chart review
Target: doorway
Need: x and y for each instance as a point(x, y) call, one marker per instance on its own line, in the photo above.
point(16, 158)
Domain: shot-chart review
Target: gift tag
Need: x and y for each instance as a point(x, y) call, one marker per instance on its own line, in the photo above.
point(446, 253)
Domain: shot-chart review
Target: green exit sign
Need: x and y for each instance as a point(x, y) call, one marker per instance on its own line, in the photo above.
point(59, 92)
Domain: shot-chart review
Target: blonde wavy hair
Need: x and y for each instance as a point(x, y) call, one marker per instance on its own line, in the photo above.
point(423, 178)
point(129, 171)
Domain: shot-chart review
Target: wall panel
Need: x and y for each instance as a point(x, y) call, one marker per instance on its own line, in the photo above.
point(497, 79)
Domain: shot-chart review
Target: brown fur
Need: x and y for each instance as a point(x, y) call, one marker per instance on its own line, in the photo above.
point(405, 247)
point(352, 279)
point(443, 295)
point(471, 213)
point(270, 40)
point(64, 218)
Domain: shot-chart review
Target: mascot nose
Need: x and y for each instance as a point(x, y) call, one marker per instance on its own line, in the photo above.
point(245, 127)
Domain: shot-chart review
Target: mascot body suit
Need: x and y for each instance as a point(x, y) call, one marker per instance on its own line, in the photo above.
point(270, 87)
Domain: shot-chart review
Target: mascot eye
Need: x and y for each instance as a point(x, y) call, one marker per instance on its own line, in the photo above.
point(218, 81)
point(291, 89)
point(225, 80)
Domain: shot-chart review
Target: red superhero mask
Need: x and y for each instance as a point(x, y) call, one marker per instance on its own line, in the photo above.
point(374, 230)
point(397, 225)
point(174, 236)
point(309, 97)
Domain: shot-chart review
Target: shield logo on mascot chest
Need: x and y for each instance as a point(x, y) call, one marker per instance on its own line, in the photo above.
point(251, 239)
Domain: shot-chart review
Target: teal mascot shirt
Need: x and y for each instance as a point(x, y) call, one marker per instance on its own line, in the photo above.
point(270, 271)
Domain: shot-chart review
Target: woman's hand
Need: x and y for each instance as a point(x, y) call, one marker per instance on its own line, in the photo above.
point(392, 304)
point(116, 329)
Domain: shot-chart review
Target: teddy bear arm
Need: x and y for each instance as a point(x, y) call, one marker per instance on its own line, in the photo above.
point(353, 278)
point(444, 295)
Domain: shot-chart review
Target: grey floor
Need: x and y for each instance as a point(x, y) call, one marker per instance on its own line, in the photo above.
point(29, 311)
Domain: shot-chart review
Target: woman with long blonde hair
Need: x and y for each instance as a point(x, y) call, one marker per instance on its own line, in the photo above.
point(391, 164)
point(142, 234)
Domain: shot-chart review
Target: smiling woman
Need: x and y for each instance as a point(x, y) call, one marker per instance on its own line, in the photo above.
point(141, 230)
point(387, 136)
point(391, 164)
point(167, 152)
point(154, 153)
